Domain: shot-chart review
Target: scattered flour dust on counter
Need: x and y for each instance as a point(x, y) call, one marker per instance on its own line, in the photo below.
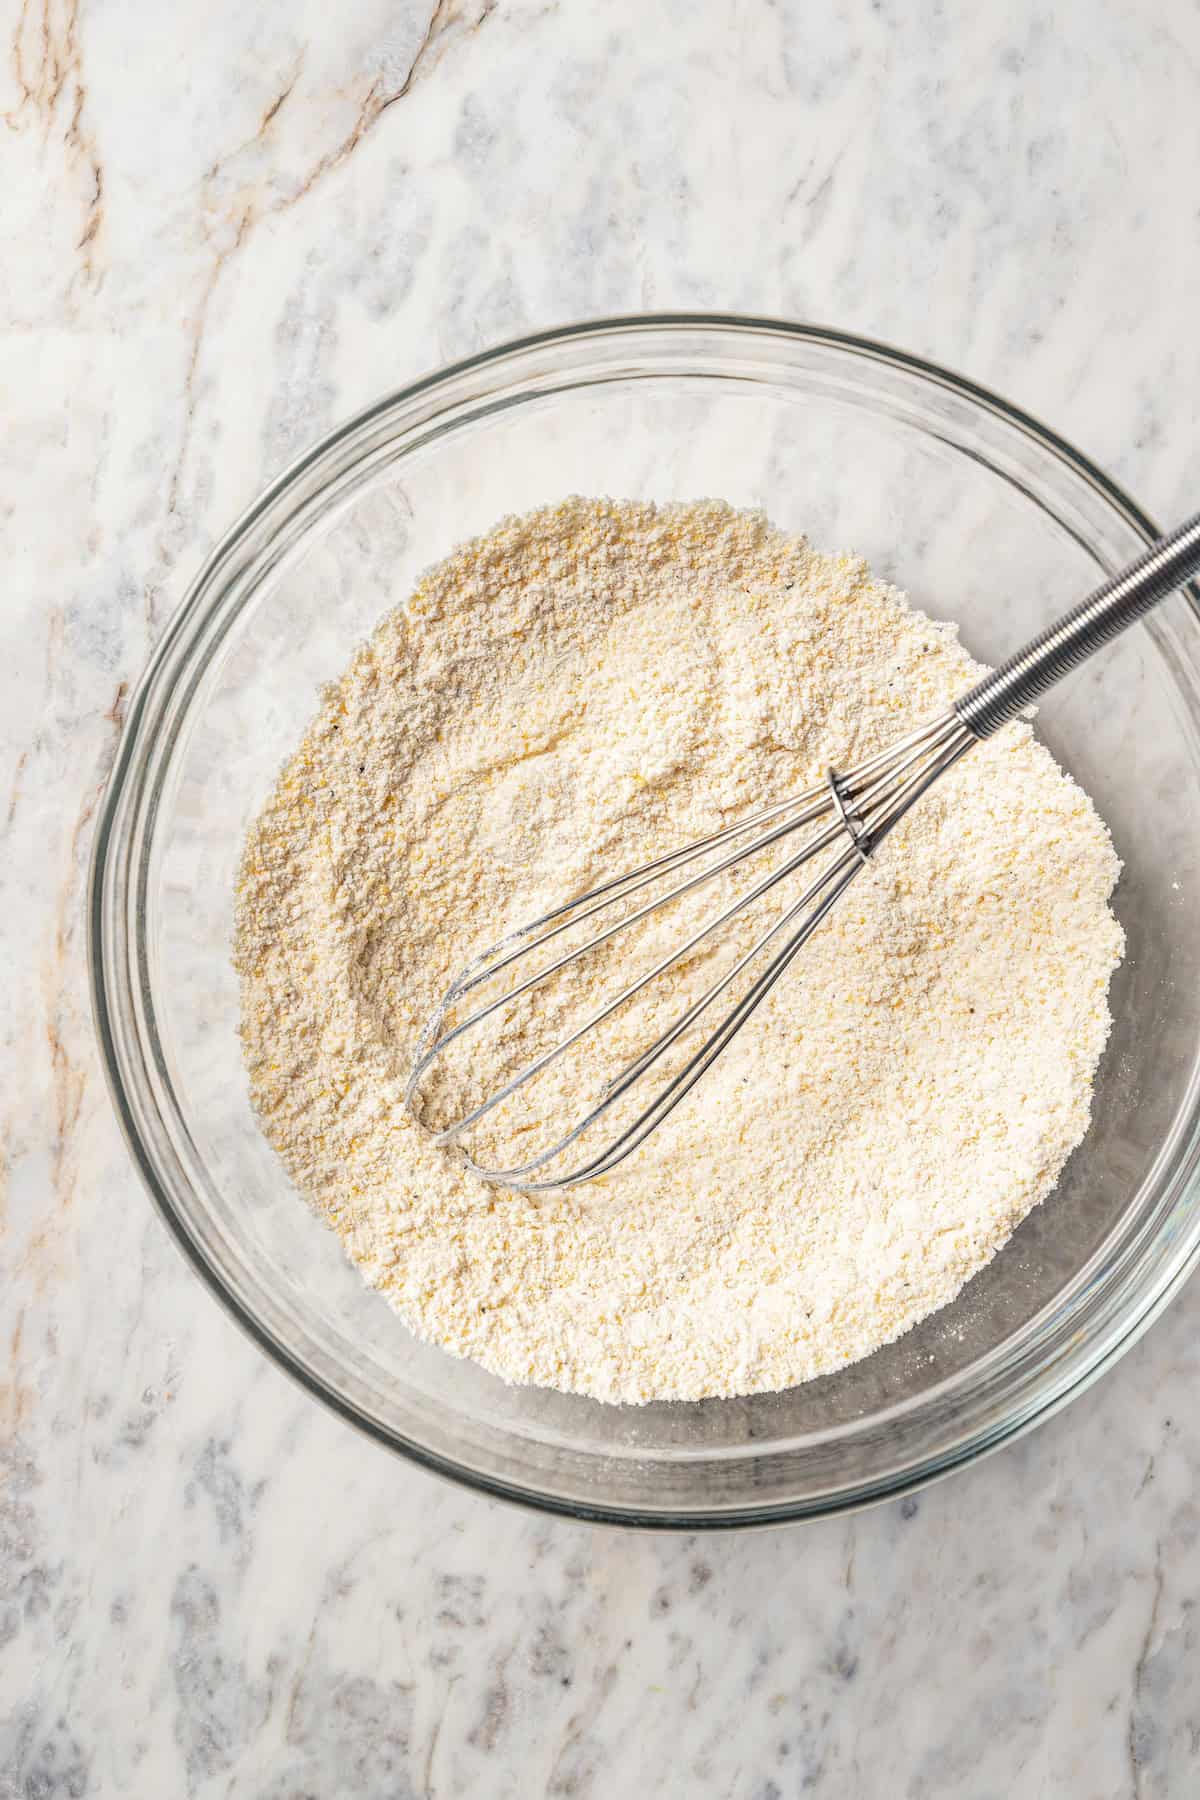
point(586, 687)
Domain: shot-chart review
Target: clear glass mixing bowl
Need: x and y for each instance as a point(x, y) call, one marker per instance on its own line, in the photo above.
point(983, 516)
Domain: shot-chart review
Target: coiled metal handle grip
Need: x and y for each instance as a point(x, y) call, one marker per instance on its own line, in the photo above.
point(1115, 604)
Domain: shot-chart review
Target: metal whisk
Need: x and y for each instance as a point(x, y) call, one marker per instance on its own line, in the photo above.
point(851, 814)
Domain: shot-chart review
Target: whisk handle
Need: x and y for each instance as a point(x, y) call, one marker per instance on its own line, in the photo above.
point(1106, 612)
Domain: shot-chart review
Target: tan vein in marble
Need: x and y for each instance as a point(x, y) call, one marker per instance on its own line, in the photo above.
point(15, 793)
point(16, 1397)
point(69, 1076)
point(198, 327)
point(284, 94)
point(271, 112)
point(40, 88)
point(446, 17)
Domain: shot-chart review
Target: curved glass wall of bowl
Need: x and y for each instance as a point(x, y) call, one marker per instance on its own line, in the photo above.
point(982, 517)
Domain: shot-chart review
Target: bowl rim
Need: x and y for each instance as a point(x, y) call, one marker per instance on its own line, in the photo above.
point(1084, 1368)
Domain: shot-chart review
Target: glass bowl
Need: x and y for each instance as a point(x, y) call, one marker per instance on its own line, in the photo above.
point(983, 516)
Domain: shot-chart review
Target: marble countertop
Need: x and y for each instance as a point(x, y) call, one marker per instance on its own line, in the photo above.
point(227, 226)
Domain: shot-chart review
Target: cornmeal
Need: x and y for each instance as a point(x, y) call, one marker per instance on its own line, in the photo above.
point(584, 688)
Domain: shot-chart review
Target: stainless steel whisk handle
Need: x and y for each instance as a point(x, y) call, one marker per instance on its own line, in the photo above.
point(1106, 612)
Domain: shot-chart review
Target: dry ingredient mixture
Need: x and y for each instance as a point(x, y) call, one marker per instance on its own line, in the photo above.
point(585, 687)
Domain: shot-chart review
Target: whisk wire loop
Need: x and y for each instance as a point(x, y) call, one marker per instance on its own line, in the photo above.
point(858, 809)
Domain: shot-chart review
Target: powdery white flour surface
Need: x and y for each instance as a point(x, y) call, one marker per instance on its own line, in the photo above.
point(585, 687)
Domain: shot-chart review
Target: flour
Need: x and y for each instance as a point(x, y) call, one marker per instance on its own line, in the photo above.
point(582, 689)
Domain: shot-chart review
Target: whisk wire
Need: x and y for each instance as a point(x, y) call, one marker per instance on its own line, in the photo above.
point(670, 1097)
point(955, 743)
point(864, 805)
point(812, 804)
point(451, 1132)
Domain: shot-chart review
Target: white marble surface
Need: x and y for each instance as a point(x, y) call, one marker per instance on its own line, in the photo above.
point(225, 226)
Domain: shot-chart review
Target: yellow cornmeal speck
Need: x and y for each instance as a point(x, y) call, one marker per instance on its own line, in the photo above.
point(890, 1114)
